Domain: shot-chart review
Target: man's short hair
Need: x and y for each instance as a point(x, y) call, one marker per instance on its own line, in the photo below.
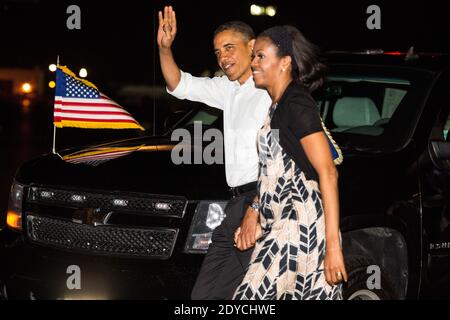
point(237, 26)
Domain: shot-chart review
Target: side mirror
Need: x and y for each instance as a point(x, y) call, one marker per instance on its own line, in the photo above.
point(440, 154)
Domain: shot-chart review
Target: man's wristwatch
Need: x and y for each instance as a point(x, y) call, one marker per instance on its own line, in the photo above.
point(255, 205)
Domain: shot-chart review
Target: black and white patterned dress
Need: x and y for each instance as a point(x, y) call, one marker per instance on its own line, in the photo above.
point(288, 262)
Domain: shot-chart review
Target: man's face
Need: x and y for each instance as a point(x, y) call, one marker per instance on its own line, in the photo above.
point(234, 55)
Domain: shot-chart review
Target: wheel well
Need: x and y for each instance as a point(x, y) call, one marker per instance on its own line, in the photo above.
point(386, 247)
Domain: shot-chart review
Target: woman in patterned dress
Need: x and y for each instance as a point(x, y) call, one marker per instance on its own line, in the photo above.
point(298, 254)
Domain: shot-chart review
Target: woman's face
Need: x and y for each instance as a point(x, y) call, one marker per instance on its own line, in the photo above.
point(266, 65)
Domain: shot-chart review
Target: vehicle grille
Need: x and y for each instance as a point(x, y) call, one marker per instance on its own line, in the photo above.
point(136, 203)
point(113, 241)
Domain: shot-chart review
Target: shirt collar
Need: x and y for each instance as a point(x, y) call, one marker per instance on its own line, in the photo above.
point(248, 82)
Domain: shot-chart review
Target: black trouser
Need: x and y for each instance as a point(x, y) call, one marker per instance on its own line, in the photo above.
point(224, 265)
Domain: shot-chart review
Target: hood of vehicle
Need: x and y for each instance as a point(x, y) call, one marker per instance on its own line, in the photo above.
point(136, 165)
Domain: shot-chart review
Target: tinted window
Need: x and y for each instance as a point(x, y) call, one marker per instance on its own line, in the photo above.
point(358, 104)
point(373, 107)
point(206, 115)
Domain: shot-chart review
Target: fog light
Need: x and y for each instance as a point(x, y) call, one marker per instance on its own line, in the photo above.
point(47, 194)
point(120, 202)
point(78, 198)
point(162, 206)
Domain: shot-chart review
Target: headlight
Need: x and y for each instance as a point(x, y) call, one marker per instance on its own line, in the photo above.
point(14, 214)
point(208, 215)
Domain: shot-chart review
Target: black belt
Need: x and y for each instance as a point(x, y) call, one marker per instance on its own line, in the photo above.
point(237, 191)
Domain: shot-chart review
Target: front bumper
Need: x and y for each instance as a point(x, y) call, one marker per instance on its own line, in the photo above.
point(29, 271)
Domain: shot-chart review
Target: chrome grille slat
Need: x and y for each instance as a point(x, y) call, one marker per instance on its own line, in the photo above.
point(136, 203)
point(114, 241)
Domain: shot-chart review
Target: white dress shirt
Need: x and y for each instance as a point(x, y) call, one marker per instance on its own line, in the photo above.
point(245, 108)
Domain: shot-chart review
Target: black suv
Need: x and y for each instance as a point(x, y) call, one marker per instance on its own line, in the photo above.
point(130, 223)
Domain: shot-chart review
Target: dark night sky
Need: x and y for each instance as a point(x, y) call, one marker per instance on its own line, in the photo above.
point(116, 41)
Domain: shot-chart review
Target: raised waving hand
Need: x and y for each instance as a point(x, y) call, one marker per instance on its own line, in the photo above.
point(167, 27)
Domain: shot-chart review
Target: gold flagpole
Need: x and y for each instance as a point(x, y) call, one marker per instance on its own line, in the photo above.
point(54, 126)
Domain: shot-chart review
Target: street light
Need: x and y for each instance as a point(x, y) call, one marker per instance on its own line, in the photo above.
point(52, 67)
point(256, 10)
point(83, 73)
point(26, 87)
point(271, 11)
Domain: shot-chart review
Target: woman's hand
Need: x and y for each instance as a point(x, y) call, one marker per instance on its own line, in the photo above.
point(167, 28)
point(334, 266)
point(239, 244)
point(247, 234)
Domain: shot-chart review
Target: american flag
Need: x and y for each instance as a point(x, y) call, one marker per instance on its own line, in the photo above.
point(78, 103)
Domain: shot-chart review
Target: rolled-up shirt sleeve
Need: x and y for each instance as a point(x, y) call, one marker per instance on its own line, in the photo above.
point(210, 91)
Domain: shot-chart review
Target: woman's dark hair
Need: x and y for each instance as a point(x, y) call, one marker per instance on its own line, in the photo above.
point(306, 67)
point(237, 26)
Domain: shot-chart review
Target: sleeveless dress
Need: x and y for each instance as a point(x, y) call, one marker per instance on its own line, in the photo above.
point(287, 262)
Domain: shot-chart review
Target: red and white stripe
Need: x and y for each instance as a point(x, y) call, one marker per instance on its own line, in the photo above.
point(101, 109)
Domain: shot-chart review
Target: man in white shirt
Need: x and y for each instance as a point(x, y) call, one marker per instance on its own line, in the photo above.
point(244, 110)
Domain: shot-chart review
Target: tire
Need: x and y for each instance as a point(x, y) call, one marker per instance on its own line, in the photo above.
point(357, 289)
